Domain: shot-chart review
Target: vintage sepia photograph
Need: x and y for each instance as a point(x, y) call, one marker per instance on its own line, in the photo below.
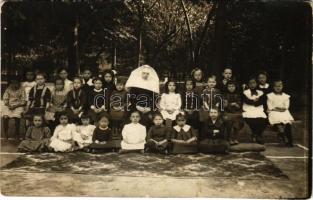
point(156, 98)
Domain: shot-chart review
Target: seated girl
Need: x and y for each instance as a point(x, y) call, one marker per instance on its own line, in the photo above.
point(102, 137)
point(158, 136)
point(134, 135)
point(97, 101)
point(58, 101)
point(76, 101)
point(278, 113)
point(170, 103)
point(37, 137)
point(253, 110)
point(233, 112)
point(84, 132)
point(213, 138)
point(13, 108)
point(191, 102)
point(183, 137)
point(63, 136)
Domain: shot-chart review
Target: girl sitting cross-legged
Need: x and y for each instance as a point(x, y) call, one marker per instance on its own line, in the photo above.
point(13, 108)
point(158, 136)
point(184, 137)
point(37, 137)
point(134, 135)
point(213, 138)
point(102, 137)
point(63, 136)
point(84, 132)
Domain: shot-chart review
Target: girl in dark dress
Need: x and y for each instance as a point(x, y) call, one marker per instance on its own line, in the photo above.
point(232, 112)
point(158, 136)
point(213, 138)
point(37, 137)
point(191, 102)
point(108, 77)
point(198, 77)
point(98, 100)
point(76, 101)
point(118, 107)
point(102, 138)
point(39, 98)
point(183, 137)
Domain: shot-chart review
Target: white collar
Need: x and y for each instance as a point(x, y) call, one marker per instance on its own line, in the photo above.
point(97, 90)
point(103, 129)
point(185, 128)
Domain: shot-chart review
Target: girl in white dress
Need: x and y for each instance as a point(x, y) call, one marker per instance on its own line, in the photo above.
point(63, 136)
point(134, 134)
point(84, 132)
point(278, 113)
point(253, 110)
point(170, 103)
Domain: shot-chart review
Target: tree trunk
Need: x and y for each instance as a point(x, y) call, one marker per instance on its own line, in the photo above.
point(139, 37)
point(191, 46)
point(220, 26)
point(114, 55)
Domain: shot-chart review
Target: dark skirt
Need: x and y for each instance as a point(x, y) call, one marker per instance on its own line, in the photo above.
point(34, 145)
point(213, 146)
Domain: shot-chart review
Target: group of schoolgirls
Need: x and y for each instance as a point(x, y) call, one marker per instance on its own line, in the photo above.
point(204, 117)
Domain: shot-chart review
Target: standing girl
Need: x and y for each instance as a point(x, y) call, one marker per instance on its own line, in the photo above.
point(14, 99)
point(39, 98)
point(211, 97)
point(191, 104)
point(170, 103)
point(76, 100)
point(63, 136)
point(118, 107)
point(29, 82)
point(108, 81)
point(278, 113)
point(98, 101)
point(263, 84)
point(233, 112)
point(198, 77)
point(253, 110)
point(68, 84)
point(58, 101)
point(37, 137)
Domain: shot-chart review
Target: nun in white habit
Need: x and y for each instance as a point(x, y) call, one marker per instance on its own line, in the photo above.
point(143, 86)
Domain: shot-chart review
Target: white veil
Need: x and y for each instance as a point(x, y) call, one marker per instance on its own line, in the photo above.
point(135, 79)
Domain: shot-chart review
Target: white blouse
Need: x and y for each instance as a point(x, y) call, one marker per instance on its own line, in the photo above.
point(134, 136)
point(251, 111)
point(171, 101)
